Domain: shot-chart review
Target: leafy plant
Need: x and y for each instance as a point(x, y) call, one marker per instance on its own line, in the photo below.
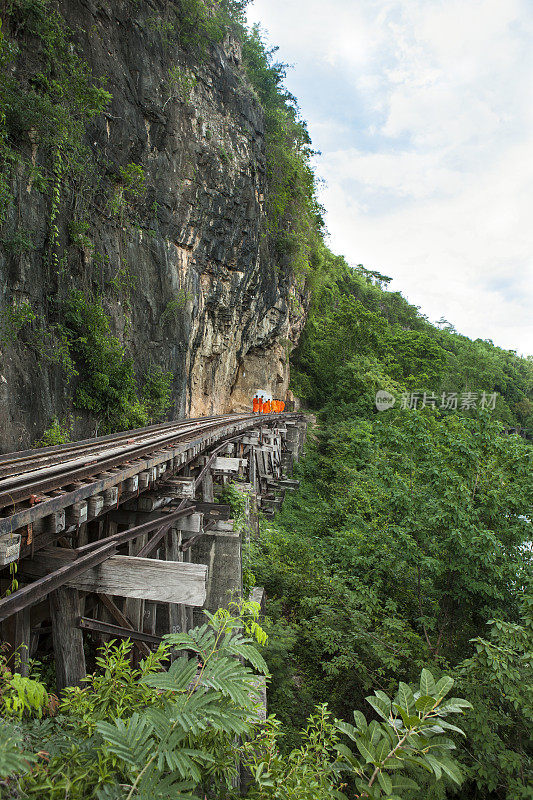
point(79, 230)
point(132, 186)
point(411, 734)
point(413, 731)
point(14, 758)
point(20, 242)
point(157, 391)
point(14, 319)
point(107, 387)
point(177, 303)
point(180, 84)
point(21, 695)
point(57, 433)
point(309, 772)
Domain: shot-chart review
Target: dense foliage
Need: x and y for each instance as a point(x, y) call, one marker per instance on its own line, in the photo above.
point(171, 733)
point(409, 542)
point(295, 224)
point(360, 338)
point(106, 384)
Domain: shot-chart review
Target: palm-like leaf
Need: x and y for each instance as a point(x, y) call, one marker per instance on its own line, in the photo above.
point(177, 678)
point(130, 741)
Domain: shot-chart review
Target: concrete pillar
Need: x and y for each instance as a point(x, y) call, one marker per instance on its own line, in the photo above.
point(221, 550)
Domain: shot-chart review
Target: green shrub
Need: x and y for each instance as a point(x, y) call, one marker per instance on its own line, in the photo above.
point(15, 319)
point(157, 392)
point(106, 385)
point(20, 242)
point(56, 434)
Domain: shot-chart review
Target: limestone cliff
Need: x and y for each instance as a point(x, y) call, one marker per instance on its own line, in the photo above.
point(186, 275)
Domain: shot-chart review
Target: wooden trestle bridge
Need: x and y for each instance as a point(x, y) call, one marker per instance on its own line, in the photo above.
point(120, 536)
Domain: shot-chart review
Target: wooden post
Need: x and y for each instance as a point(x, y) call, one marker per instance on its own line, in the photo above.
point(173, 554)
point(16, 631)
point(65, 611)
point(133, 608)
point(207, 487)
point(251, 466)
point(149, 620)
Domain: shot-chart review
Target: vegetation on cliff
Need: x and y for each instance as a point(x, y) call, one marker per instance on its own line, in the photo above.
point(88, 205)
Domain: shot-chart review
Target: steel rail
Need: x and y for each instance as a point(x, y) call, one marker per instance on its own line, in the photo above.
point(69, 472)
point(23, 516)
point(97, 552)
point(17, 463)
point(13, 481)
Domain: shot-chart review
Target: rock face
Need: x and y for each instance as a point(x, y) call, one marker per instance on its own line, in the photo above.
point(186, 274)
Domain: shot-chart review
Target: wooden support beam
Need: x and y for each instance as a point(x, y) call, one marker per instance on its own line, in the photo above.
point(52, 580)
point(69, 656)
point(149, 618)
point(223, 464)
point(121, 538)
point(86, 624)
point(132, 576)
point(176, 610)
point(119, 617)
point(207, 487)
point(212, 511)
point(181, 487)
point(133, 607)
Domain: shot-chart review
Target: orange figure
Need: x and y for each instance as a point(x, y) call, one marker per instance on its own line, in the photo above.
point(255, 404)
point(267, 407)
point(277, 406)
point(260, 405)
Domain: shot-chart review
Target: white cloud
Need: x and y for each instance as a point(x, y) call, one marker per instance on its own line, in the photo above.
point(424, 117)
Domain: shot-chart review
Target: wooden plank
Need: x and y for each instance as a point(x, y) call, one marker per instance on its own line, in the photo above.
point(229, 464)
point(52, 580)
point(131, 576)
point(69, 656)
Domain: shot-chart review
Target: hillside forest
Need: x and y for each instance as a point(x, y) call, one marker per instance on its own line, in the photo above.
point(400, 568)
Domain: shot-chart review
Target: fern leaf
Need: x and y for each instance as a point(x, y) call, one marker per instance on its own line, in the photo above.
point(13, 758)
point(130, 741)
point(176, 679)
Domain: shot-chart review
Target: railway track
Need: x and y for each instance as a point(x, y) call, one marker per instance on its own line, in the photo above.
point(20, 463)
point(40, 483)
point(127, 527)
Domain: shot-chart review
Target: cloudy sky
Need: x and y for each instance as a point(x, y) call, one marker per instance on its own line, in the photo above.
point(423, 112)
